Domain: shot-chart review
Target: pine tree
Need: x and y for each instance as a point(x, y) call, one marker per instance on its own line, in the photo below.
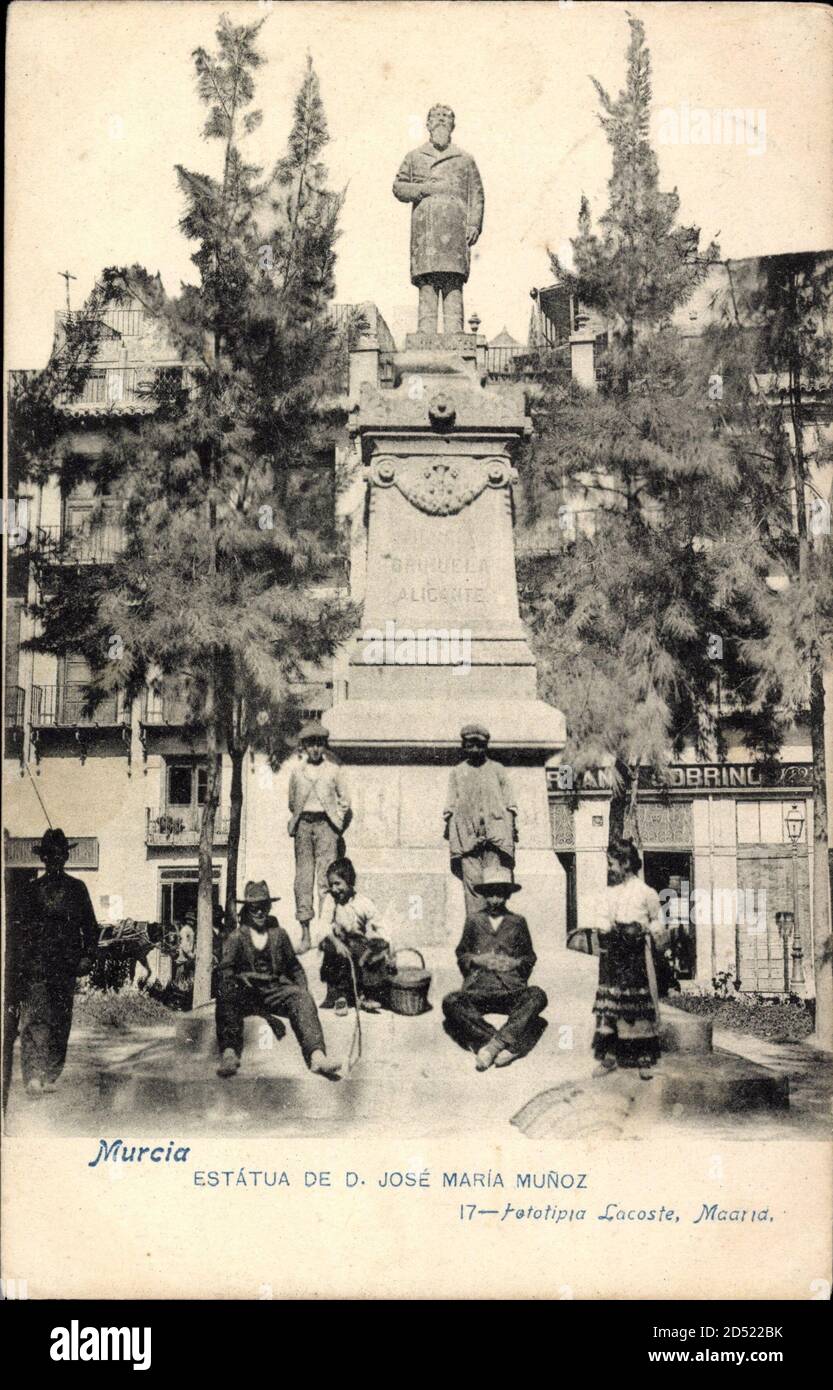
point(214, 583)
point(641, 613)
point(771, 348)
point(641, 265)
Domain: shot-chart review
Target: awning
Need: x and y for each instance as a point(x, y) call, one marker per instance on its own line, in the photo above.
point(21, 851)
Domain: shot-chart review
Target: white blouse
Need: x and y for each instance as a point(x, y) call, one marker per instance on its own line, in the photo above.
point(358, 916)
point(633, 901)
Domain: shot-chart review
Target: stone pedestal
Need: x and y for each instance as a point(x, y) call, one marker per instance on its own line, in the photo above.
point(682, 1032)
point(441, 641)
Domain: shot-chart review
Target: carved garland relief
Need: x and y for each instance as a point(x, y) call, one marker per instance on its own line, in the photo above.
point(440, 485)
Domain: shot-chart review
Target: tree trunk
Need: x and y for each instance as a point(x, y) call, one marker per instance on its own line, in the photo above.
point(622, 799)
point(822, 941)
point(235, 820)
point(205, 894)
point(616, 818)
point(820, 881)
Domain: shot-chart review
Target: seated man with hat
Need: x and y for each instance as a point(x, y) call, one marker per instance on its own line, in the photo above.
point(480, 813)
point(260, 974)
point(319, 806)
point(496, 958)
point(52, 942)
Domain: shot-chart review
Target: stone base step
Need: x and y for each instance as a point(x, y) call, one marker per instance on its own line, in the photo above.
point(191, 1090)
point(683, 1084)
point(196, 1033)
point(682, 1032)
point(717, 1082)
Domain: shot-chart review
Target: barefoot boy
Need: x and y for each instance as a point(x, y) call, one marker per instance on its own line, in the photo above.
point(496, 958)
point(261, 974)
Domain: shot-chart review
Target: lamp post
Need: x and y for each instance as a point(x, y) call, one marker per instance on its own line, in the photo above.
point(794, 821)
point(785, 922)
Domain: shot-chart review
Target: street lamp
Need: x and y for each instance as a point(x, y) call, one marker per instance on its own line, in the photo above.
point(794, 821)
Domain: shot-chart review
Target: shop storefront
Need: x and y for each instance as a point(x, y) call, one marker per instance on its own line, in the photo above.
point(726, 847)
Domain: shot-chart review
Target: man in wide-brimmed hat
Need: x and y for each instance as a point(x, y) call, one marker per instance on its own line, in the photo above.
point(480, 812)
point(51, 943)
point(260, 974)
point(496, 959)
point(319, 806)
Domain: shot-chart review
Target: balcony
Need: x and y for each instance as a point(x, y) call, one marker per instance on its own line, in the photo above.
point(178, 827)
point(80, 545)
point(13, 712)
point(67, 707)
point(167, 722)
point(165, 708)
point(62, 720)
point(13, 720)
point(126, 390)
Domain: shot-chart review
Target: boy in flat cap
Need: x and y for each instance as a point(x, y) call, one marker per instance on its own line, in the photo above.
point(260, 974)
point(480, 813)
point(54, 941)
point(319, 806)
point(496, 959)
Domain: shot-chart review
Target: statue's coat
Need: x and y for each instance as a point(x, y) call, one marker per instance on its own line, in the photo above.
point(441, 222)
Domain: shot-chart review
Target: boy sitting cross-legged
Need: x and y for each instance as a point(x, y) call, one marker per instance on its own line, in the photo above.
point(496, 959)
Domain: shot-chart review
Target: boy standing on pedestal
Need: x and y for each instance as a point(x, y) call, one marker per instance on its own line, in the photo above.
point(319, 805)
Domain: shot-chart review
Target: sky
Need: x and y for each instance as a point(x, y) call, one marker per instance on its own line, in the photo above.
point(101, 104)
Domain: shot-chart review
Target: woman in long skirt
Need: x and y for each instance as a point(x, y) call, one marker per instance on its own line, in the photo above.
point(626, 1006)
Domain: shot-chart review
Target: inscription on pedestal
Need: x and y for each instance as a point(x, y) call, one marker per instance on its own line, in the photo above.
point(428, 579)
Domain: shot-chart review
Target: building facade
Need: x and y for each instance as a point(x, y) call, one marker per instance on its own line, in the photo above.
point(729, 845)
point(127, 782)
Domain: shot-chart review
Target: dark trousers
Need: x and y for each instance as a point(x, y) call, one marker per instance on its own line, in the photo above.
point(464, 1013)
point(237, 1001)
point(44, 1020)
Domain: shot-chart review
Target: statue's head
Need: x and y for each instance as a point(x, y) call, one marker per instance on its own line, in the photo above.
point(440, 124)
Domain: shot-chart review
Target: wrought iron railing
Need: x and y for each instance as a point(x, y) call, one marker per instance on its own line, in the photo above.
point(180, 826)
point(69, 707)
point(81, 545)
point(503, 361)
point(112, 387)
point(543, 363)
point(165, 708)
point(14, 702)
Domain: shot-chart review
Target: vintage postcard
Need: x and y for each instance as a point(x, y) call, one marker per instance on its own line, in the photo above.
point(418, 645)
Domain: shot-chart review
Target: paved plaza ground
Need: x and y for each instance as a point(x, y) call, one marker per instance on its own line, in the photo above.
point(411, 1080)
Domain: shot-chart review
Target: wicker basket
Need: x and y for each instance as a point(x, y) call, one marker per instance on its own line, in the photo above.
point(408, 987)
